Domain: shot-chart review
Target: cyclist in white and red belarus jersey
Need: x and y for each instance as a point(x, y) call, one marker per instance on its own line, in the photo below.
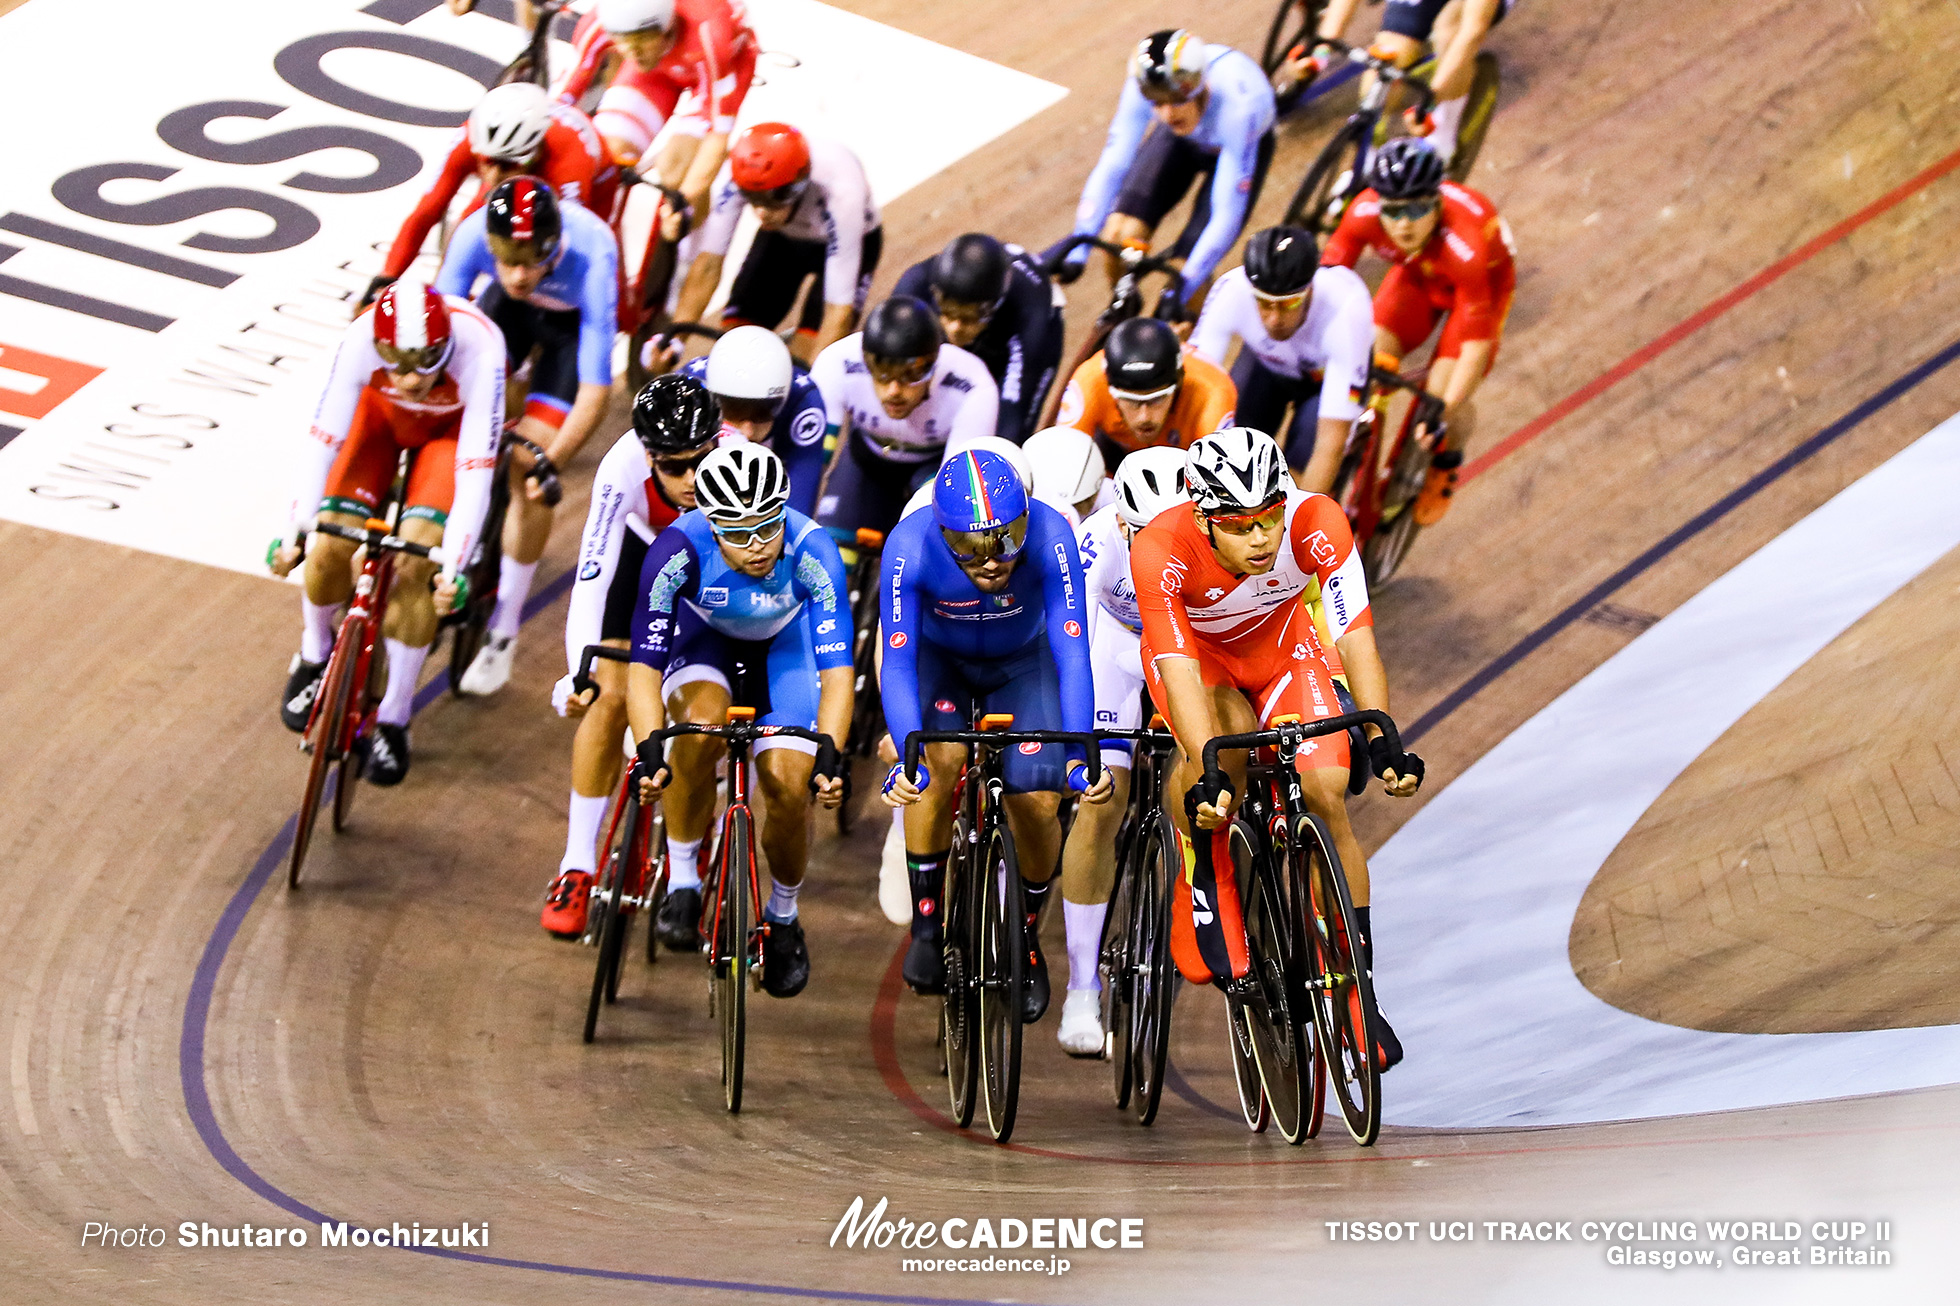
point(666, 48)
point(1230, 643)
point(417, 371)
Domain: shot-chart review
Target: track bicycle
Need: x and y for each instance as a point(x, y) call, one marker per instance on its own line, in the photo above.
point(1340, 172)
point(470, 622)
point(867, 708)
point(533, 63)
point(1125, 301)
point(985, 920)
point(632, 875)
point(1139, 983)
point(1305, 1014)
point(732, 931)
point(1292, 28)
point(342, 720)
point(1378, 480)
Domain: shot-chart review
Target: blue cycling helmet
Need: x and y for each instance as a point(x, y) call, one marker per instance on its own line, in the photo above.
point(981, 506)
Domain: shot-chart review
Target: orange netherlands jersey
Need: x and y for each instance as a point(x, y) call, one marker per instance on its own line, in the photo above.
point(1206, 402)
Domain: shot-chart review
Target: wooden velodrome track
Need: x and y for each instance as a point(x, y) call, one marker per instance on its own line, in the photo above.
point(399, 1041)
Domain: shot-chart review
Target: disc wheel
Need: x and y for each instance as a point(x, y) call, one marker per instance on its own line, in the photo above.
point(1272, 1012)
point(1155, 978)
point(959, 1010)
point(1329, 184)
point(1245, 1068)
point(1003, 963)
point(324, 735)
point(1343, 998)
point(1292, 23)
point(732, 928)
point(1480, 106)
point(610, 927)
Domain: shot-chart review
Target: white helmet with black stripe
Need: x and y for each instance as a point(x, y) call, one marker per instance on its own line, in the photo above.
point(1237, 469)
point(739, 481)
point(509, 124)
point(1147, 482)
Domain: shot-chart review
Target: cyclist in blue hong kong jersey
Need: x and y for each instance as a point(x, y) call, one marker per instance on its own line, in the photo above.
point(745, 603)
point(1213, 115)
point(764, 397)
point(985, 609)
point(553, 285)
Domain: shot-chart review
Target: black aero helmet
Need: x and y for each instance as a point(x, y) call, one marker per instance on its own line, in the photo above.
point(971, 270)
point(1143, 359)
point(1406, 168)
point(902, 328)
point(1281, 261)
point(675, 413)
point(523, 210)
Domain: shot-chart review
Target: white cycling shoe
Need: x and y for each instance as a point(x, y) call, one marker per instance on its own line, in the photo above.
point(894, 883)
point(489, 671)
point(1081, 1034)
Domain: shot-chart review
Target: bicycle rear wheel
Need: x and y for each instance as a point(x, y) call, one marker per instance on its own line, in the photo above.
point(1272, 1012)
point(1343, 998)
point(1330, 183)
point(473, 622)
point(1155, 978)
point(731, 955)
point(656, 858)
point(1481, 106)
point(325, 734)
point(1253, 1106)
point(959, 1010)
point(610, 927)
point(1283, 34)
point(1003, 960)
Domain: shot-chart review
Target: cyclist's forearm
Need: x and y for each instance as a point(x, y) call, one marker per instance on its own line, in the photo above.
point(836, 687)
point(646, 710)
point(588, 406)
point(1471, 364)
point(699, 288)
point(1366, 676)
point(701, 170)
point(1189, 701)
point(838, 319)
point(1330, 442)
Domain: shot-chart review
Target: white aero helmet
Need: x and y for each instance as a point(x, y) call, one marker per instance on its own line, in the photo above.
point(636, 15)
point(740, 480)
point(1068, 467)
point(1147, 482)
point(750, 362)
point(1014, 453)
point(509, 124)
point(1237, 469)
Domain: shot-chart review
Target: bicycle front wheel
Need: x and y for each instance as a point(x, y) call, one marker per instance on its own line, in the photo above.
point(1272, 1011)
point(371, 671)
point(959, 1011)
point(325, 734)
point(610, 927)
point(1343, 997)
point(1293, 22)
point(1003, 962)
point(733, 927)
point(1331, 183)
point(1382, 556)
point(1480, 106)
point(1155, 979)
point(1114, 958)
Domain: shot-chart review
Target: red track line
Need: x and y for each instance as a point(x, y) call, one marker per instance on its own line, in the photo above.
point(884, 1050)
point(1682, 330)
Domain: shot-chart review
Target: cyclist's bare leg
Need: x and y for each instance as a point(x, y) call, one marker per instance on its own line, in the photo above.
point(330, 563)
point(411, 603)
point(784, 774)
point(929, 822)
point(1089, 859)
point(527, 525)
point(1031, 818)
point(596, 755)
point(689, 800)
point(1122, 229)
point(1326, 794)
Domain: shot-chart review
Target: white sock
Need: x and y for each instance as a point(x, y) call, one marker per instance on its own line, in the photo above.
point(683, 864)
point(404, 674)
point(513, 587)
point(1084, 924)
point(782, 900)
point(1449, 117)
point(582, 832)
point(315, 630)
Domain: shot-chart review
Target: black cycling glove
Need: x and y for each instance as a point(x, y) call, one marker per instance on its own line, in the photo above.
point(1382, 757)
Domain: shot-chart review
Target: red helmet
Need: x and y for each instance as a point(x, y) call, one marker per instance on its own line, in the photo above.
point(770, 163)
point(411, 327)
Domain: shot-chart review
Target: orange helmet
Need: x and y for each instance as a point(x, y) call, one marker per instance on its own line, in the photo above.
point(770, 163)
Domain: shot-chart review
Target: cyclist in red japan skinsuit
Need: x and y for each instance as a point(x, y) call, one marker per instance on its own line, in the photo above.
point(1452, 257)
point(664, 48)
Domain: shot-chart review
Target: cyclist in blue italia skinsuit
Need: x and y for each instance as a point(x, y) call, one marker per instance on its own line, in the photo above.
point(985, 609)
point(553, 273)
point(764, 397)
point(745, 603)
point(1188, 110)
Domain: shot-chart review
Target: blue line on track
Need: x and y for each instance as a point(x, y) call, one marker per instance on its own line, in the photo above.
point(197, 1006)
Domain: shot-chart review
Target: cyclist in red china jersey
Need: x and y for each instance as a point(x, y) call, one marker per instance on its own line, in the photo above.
point(1224, 588)
point(1452, 260)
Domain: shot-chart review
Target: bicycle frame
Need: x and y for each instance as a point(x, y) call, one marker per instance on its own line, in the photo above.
point(1359, 132)
point(1367, 475)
